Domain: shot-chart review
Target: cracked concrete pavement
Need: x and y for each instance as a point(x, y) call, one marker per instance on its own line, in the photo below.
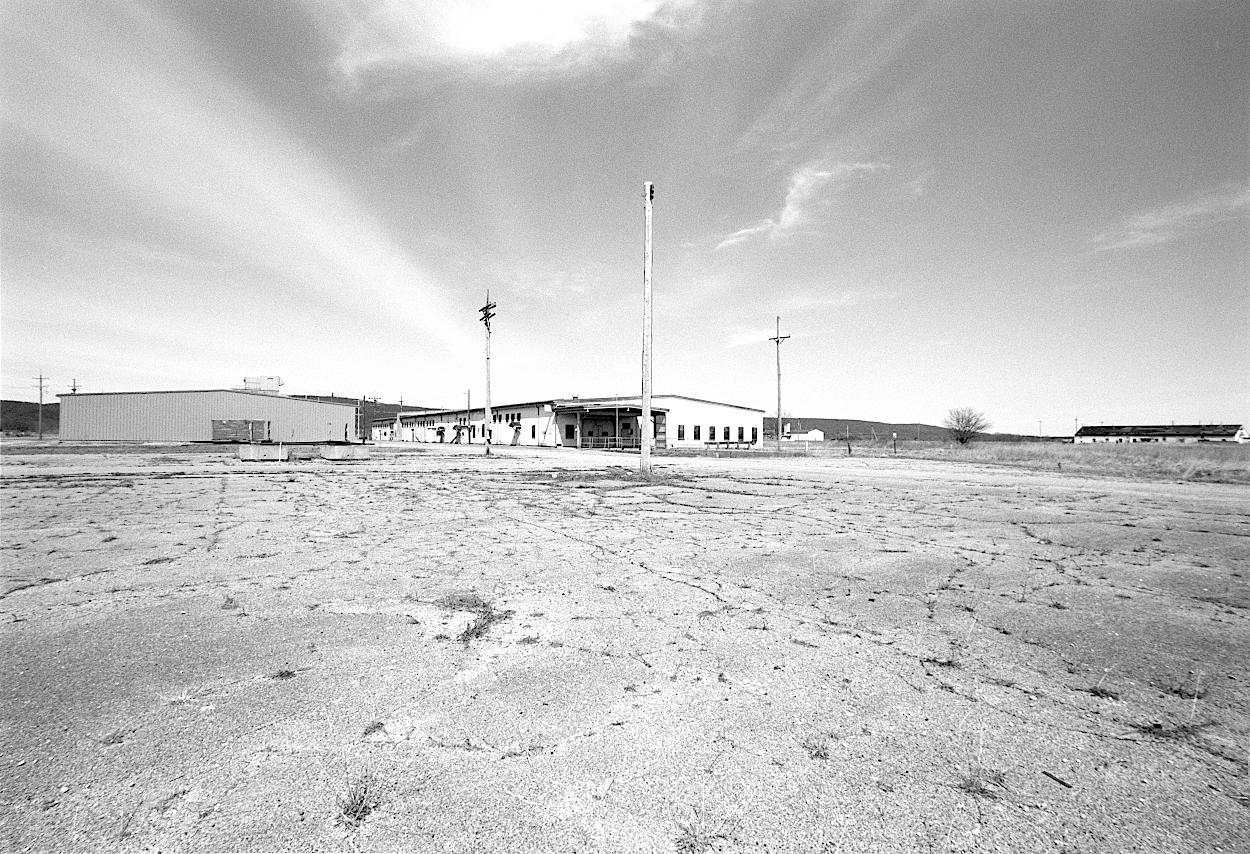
point(748, 654)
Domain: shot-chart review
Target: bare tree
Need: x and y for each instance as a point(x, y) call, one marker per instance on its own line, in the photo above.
point(965, 423)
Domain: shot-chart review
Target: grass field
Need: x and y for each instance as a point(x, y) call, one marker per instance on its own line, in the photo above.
point(1211, 462)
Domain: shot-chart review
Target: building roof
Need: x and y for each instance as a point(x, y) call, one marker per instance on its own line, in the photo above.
point(567, 404)
point(269, 394)
point(1161, 430)
point(678, 396)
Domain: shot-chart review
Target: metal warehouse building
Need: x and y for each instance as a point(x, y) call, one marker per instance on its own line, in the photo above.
point(203, 416)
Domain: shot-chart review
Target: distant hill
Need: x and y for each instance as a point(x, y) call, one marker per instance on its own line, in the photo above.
point(22, 416)
point(867, 431)
point(836, 428)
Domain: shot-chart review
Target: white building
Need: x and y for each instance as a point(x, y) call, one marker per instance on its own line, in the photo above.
point(678, 421)
point(810, 436)
point(1170, 433)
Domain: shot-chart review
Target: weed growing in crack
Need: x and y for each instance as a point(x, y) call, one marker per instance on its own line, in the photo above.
point(817, 746)
point(479, 627)
point(1099, 690)
point(1178, 732)
point(363, 795)
point(286, 671)
point(1186, 689)
point(464, 602)
point(701, 833)
point(981, 782)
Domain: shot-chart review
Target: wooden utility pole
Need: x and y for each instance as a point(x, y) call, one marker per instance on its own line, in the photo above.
point(779, 339)
point(648, 194)
point(41, 380)
point(488, 311)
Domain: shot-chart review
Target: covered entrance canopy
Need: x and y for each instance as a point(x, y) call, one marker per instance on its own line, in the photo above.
point(612, 424)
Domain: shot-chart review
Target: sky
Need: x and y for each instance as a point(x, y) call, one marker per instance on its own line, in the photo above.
point(1040, 210)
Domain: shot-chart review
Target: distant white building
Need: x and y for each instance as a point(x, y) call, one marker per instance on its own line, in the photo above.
point(810, 436)
point(678, 421)
point(1170, 433)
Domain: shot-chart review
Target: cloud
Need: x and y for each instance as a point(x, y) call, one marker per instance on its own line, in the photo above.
point(1173, 222)
point(834, 299)
point(522, 32)
point(743, 337)
point(180, 156)
point(804, 303)
point(810, 188)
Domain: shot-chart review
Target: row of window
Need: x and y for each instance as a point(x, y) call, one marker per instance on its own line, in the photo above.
point(505, 417)
point(711, 434)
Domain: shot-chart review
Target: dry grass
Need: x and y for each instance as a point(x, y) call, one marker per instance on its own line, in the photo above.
point(702, 833)
point(479, 627)
point(1216, 462)
point(363, 795)
point(981, 782)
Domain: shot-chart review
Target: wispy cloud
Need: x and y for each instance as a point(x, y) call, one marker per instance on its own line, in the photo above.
point(1174, 221)
point(811, 187)
point(835, 299)
point(799, 303)
point(517, 33)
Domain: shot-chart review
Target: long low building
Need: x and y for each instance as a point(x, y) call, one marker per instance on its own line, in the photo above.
point(224, 415)
point(1173, 433)
point(678, 421)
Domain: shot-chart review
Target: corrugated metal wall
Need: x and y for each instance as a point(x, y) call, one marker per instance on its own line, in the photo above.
point(187, 416)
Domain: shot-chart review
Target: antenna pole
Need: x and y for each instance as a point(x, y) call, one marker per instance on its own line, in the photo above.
point(648, 194)
point(778, 340)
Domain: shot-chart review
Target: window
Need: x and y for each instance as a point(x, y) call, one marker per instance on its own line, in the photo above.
point(533, 431)
point(681, 432)
point(726, 434)
point(568, 432)
point(755, 435)
point(740, 434)
point(711, 434)
point(697, 428)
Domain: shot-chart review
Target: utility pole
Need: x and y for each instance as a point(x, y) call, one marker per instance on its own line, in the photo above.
point(73, 386)
point(468, 408)
point(648, 195)
point(779, 339)
point(41, 379)
point(488, 311)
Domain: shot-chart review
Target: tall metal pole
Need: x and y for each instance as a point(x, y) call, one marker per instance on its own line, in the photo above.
point(488, 311)
point(648, 194)
point(41, 379)
point(468, 409)
point(779, 339)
